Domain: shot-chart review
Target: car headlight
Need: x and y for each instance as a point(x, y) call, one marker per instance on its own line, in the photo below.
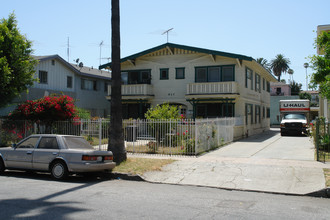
point(282, 125)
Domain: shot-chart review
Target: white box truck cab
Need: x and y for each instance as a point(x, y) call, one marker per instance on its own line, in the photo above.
point(294, 116)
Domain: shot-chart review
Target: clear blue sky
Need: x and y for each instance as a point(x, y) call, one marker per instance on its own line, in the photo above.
point(257, 28)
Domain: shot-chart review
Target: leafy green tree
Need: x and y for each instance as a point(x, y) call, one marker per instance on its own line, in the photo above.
point(295, 88)
point(16, 63)
point(290, 72)
point(164, 111)
point(305, 95)
point(279, 65)
point(116, 134)
point(83, 113)
point(321, 64)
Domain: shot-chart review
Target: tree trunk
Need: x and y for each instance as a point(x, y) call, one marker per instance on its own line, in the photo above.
point(279, 77)
point(116, 134)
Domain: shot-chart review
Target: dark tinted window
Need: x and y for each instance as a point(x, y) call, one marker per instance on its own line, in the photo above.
point(227, 73)
point(214, 74)
point(201, 74)
point(77, 143)
point(48, 143)
point(29, 143)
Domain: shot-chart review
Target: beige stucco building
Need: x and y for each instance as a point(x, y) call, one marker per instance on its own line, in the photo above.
point(204, 83)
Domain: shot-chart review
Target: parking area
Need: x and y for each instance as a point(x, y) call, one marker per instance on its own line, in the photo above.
point(270, 145)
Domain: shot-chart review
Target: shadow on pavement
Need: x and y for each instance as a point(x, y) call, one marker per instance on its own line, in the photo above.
point(86, 178)
point(260, 137)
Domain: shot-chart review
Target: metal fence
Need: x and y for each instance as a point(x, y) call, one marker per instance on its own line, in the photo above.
point(170, 137)
point(321, 135)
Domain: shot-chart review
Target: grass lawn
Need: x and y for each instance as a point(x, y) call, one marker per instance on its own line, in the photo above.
point(327, 177)
point(141, 165)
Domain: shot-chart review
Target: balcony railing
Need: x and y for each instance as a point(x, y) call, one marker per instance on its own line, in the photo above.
point(136, 89)
point(212, 88)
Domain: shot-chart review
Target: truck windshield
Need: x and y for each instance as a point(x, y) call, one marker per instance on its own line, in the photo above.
point(294, 116)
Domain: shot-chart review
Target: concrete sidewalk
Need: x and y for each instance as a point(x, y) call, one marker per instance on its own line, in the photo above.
point(247, 170)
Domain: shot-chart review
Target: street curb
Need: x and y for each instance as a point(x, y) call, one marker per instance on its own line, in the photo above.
point(323, 193)
point(126, 176)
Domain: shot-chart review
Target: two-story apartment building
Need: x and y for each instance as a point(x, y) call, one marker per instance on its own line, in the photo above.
point(88, 86)
point(204, 83)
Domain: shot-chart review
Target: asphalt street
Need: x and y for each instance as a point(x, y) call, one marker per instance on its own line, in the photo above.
point(36, 196)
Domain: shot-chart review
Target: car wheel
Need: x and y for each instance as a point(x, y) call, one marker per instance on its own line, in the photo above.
point(2, 167)
point(59, 170)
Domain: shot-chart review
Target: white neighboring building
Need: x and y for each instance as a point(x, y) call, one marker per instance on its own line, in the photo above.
point(88, 86)
point(205, 83)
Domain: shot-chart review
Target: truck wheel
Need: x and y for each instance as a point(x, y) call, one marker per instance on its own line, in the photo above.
point(59, 170)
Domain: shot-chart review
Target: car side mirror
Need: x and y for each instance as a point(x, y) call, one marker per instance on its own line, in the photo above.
point(13, 145)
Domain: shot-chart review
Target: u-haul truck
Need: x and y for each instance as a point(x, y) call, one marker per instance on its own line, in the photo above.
point(294, 116)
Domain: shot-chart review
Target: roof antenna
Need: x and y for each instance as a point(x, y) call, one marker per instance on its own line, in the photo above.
point(166, 32)
point(101, 44)
point(68, 50)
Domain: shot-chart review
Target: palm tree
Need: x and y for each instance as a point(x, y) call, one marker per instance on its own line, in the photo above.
point(290, 72)
point(279, 65)
point(263, 62)
point(116, 134)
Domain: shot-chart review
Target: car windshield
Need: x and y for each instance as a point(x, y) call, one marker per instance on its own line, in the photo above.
point(77, 143)
point(294, 116)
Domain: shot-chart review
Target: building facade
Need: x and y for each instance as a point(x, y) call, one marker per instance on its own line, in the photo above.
point(203, 83)
point(88, 86)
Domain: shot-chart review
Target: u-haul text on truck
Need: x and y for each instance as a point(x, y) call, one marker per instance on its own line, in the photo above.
point(294, 116)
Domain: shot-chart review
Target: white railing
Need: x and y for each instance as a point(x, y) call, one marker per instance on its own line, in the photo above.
point(135, 89)
point(212, 88)
point(170, 137)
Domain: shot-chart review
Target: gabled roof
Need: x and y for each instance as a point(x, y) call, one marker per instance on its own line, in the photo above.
point(171, 45)
point(82, 71)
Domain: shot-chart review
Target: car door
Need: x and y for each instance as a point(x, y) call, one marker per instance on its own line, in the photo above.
point(46, 151)
point(21, 156)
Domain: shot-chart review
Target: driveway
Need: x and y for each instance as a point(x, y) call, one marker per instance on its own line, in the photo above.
point(270, 145)
point(266, 162)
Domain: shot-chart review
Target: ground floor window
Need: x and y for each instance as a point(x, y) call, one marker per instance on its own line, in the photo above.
point(135, 110)
point(213, 110)
point(257, 114)
point(249, 113)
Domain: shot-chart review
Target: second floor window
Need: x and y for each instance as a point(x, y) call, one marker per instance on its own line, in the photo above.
point(179, 73)
point(248, 78)
point(215, 74)
point(43, 77)
point(69, 82)
point(257, 86)
point(136, 77)
point(163, 73)
point(268, 86)
point(87, 84)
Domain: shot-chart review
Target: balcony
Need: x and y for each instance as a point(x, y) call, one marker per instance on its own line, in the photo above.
point(212, 88)
point(135, 91)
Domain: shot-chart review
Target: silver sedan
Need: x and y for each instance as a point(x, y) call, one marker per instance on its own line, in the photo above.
point(58, 154)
